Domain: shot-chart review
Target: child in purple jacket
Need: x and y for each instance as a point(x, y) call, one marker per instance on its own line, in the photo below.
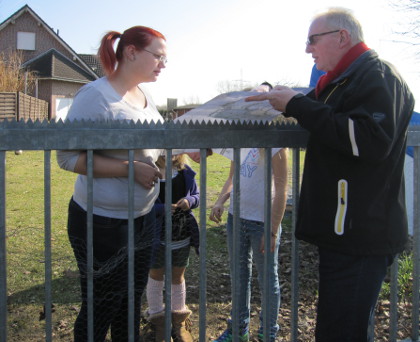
point(185, 197)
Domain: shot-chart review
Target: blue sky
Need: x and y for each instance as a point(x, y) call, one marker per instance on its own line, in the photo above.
point(211, 42)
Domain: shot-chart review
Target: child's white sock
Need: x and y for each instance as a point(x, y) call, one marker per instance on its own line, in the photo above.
point(154, 294)
point(179, 294)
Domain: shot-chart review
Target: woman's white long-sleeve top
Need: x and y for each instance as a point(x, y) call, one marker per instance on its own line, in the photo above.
point(98, 101)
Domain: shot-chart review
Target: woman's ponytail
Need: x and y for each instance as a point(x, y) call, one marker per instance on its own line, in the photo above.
point(106, 52)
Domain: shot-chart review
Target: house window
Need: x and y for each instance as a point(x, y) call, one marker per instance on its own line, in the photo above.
point(26, 41)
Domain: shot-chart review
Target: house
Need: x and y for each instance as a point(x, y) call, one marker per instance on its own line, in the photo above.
point(60, 70)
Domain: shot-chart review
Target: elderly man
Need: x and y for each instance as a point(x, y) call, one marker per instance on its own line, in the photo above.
point(352, 198)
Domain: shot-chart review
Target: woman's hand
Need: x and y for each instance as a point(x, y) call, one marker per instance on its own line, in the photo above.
point(146, 175)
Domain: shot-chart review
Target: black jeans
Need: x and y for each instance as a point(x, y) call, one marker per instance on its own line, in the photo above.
point(110, 271)
point(349, 286)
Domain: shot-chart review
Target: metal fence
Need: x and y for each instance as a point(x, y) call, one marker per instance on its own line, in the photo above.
point(45, 136)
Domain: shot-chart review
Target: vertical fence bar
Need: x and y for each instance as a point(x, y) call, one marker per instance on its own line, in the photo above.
point(235, 248)
point(416, 247)
point(47, 245)
point(18, 107)
point(130, 247)
point(268, 255)
point(393, 320)
point(168, 244)
point(89, 246)
point(295, 247)
point(3, 264)
point(203, 245)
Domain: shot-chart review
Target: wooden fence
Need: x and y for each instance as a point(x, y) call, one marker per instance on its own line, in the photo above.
point(19, 106)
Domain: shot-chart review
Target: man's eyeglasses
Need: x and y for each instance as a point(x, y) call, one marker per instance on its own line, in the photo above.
point(160, 58)
point(311, 40)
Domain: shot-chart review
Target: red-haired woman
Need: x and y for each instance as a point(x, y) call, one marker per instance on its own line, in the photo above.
point(139, 57)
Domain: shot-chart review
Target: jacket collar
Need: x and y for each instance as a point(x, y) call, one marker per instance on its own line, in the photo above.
point(346, 61)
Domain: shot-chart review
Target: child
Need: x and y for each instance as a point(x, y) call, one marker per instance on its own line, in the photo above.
point(251, 233)
point(185, 196)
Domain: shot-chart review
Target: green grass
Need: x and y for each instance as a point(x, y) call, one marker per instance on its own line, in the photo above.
point(25, 216)
point(405, 279)
point(25, 244)
point(217, 173)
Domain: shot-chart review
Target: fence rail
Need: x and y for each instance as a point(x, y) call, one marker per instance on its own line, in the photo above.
point(91, 136)
point(20, 106)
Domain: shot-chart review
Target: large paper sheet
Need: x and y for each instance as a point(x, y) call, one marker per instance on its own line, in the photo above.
point(231, 107)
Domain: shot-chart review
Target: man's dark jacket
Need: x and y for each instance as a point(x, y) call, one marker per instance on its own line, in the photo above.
point(352, 197)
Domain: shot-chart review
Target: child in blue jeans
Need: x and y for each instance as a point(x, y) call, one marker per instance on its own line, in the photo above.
point(251, 234)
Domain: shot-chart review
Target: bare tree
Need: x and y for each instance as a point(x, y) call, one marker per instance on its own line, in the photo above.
point(227, 86)
point(191, 100)
point(411, 32)
point(12, 77)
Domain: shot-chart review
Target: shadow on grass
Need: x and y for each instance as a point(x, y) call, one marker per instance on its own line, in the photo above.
point(64, 290)
point(26, 312)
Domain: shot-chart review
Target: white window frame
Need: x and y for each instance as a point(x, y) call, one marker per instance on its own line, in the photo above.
point(26, 41)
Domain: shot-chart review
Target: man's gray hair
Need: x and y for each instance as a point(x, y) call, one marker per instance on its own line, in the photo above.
point(342, 18)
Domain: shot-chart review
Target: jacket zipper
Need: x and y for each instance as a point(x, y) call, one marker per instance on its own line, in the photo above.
point(340, 216)
point(334, 89)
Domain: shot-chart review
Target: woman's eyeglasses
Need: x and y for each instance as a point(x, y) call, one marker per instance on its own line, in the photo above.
point(160, 58)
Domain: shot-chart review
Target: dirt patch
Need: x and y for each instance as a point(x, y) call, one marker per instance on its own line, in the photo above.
point(219, 301)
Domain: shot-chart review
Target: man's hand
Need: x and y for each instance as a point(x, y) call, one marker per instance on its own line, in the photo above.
point(279, 97)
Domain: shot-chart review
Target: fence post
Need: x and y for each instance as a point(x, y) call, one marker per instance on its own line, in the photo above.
point(17, 113)
point(3, 265)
